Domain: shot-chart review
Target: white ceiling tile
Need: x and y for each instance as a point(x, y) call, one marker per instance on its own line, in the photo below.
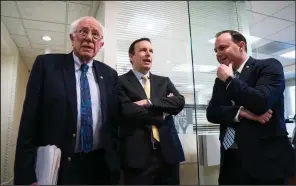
point(39, 25)
point(269, 7)
point(259, 43)
point(254, 18)
point(14, 25)
point(21, 41)
point(49, 47)
point(35, 36)
point(75, 11)
point(51, 11)
point(8, 8)
point(82, 2)
point(267, 27)
point(285, 35)
point(287, 13)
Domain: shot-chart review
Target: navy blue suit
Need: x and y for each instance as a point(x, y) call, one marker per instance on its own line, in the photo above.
point(178, 145)
point(264, 150)
point(50, 115)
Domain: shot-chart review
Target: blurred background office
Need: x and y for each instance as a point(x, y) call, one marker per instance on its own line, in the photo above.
point(182, 34)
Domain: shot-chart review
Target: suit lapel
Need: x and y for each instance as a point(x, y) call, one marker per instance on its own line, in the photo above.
point(70, 85)
point(136, 84)
point(153, 85)
point(244, 76)
point(101, 80)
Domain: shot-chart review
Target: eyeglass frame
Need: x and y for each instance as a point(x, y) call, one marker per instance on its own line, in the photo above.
point(81, 34)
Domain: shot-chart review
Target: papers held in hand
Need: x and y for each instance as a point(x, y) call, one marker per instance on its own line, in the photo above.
point(47, 165)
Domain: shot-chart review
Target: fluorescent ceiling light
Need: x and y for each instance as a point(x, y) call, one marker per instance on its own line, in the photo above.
point(46, 38)
point(250, 39)
point(290, 54)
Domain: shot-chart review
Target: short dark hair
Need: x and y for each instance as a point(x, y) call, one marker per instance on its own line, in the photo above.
point(131, 49)
point(235, 35)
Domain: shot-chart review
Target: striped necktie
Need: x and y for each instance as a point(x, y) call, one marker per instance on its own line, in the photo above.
point(86, 125)
point(155, 132)
point(230, 132)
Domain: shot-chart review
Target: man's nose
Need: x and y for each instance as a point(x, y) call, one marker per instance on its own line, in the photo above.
point(89, 36)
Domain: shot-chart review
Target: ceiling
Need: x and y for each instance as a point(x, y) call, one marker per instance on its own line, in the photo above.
point(28, 21)
point(274, 23)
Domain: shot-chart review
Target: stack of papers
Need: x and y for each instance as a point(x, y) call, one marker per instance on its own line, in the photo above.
point(47, 165)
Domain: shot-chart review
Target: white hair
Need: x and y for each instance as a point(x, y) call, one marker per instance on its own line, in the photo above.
point(75, 23)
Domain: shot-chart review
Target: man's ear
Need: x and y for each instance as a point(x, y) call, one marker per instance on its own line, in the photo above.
point(130, 57)
point(242, 45)
point(102, 44)
point(71, 37)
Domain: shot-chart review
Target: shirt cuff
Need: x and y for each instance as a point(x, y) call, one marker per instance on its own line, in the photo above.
point(150, 103)
point(165, 115)
point(236, 119)
point(228, 84)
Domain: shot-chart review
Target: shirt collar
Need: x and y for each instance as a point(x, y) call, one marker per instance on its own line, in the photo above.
point(139, 75)
point(78, 62)
point(239, 70)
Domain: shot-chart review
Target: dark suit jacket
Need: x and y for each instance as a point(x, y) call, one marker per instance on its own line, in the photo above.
point(135, 126)
point(176, 139)
point(265, 149)
point(50, 113)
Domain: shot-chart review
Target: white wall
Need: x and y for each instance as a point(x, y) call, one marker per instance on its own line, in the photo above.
point(108, 20)
point(14, 77)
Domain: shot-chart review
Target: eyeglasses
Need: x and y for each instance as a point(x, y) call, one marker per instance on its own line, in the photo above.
point(83, 33)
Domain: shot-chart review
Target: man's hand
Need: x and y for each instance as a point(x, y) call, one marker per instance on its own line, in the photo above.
point(143, 102)
point(170, 95)
point(224, 72)
point(167, 114)
point(264, 118)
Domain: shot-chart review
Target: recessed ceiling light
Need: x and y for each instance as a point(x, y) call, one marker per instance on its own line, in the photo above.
point(46, 38)
point(289, 54)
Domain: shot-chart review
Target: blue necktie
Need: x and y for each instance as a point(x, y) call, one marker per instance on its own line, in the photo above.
point(86, 126)
point(230, 132)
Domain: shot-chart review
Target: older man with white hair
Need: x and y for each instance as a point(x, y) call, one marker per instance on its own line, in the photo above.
point(71, 102)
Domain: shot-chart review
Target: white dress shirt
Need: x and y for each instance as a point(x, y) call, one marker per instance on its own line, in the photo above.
point(95, 102)
point(139, 76)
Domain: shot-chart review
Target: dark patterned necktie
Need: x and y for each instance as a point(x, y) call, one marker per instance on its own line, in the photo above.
point(230, 132)
point(86, 126)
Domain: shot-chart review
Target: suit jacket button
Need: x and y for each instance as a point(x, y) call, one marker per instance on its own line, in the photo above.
point(69, 158)
point(74, 135)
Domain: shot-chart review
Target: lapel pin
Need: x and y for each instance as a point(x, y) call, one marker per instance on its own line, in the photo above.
point(232, 102)
point(101, 77)
point(247, 66)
